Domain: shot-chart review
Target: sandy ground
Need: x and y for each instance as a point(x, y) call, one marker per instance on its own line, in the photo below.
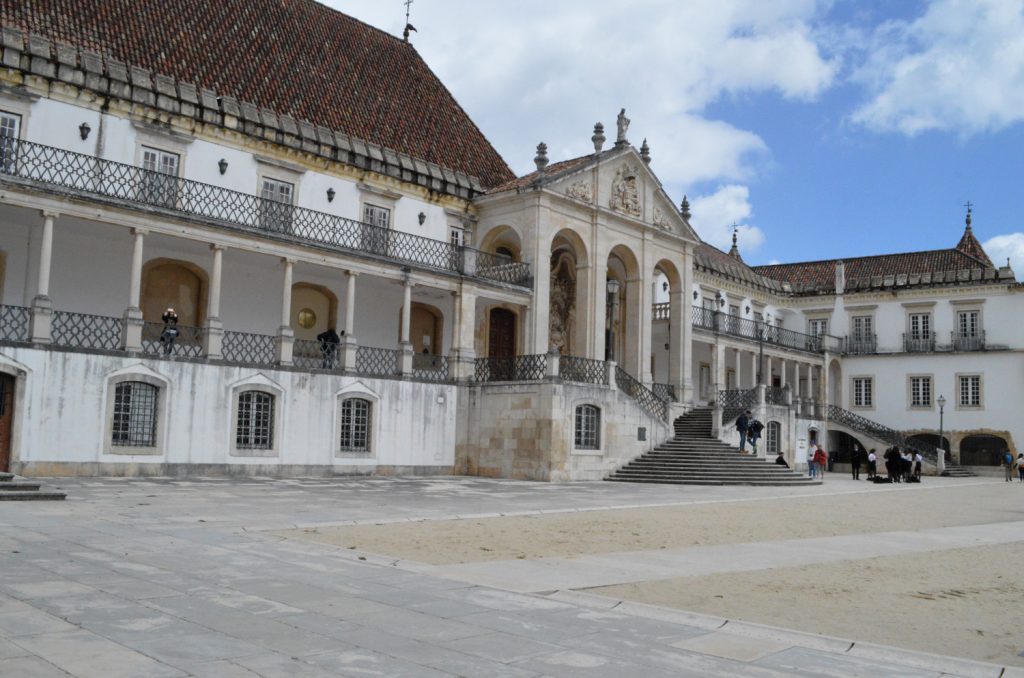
point(965, 602)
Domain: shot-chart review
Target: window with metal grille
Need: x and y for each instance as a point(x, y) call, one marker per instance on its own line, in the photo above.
point(377, 216)
point(920, 325)
point(356, 420)
point(967, 321)
point(276, 205)
point(255, 430)
point(134, 423)
point(771, 438)
point(920, 391)
point(588, 427)
point(10, 124)
point(970, 391)
point(160, 180)
point(862, 392)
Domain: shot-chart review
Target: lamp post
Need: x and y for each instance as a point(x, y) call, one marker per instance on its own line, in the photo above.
point(940, 462)
point(613, 305)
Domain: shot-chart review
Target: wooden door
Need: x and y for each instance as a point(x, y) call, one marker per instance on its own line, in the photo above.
point(502, 340)
point(6, 419)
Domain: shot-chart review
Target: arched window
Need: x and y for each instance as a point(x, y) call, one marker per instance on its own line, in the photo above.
point(134, 422)
point(588, 427)
point(356, 422)
point(771, 438)
point(255, 427)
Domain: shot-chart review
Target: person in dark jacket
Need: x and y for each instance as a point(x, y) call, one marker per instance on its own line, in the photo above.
point(742, 422)
point(329, 341)
point(754, 429)
point(170, 332)
point(781, 460)
point(855, 461)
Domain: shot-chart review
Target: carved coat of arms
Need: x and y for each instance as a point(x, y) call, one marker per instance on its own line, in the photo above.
point(581, 191)
point(625, 194)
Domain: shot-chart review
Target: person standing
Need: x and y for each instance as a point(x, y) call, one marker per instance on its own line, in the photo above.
point(329, 341)
point(812, 468)
point(754, 429)
point(170, 332)
point(855, 461)
point(918, 460)
point(820, 460)
point(1020, 466)
point(742, 423)
point(872, 464)
point(1008, 465)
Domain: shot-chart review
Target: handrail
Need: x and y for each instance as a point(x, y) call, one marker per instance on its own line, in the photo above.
point(735, 401)
point(582, 370)
point(92, 176)
point(762, 332)
point(881, 432)
point(643, 395)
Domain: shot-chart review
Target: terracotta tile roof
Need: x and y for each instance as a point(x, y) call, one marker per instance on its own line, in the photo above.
point(970, 246)
point(820, 276)
point(296, 57)
point(551, 171)
point(717, 261)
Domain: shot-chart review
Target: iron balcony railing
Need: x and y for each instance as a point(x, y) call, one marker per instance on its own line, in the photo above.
point(378, 362)
point(582, 370)
point(919, 342)
point(762, 332)
point(515, 368)
point(775, 395)
point(640, 393)
point(309, 354)
point(84, 330)
point(967, 342)
point(666, 392)
point(247, 348)
point(861, 345)
point(14, 323)
point(735, 402)
point(427, 367)
point(183, 340)
point(810, 409)
point(89, 176)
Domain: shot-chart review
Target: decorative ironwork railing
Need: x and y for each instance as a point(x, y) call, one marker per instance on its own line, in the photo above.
point(378, 362)
point(158, 340)
point(83, 330)
point(518, 368)
point(643, 395)
point(662, 311)
point(810, 409)
point(427, 367)
point(14, 323)
point(881, 432)
point(762, 332)
point(735, 402)
point(967, 342)
point(775, 395)
point(919, 343)
point(861, 345)
point(666, 392)
point(309, 354)
point(582, 370)
point(93, 176)
point(249, 349)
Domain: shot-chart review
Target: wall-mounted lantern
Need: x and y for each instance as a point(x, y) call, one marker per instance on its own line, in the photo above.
point(84, 130)
point(330, 195)
point(222, 165)
point(421, 217)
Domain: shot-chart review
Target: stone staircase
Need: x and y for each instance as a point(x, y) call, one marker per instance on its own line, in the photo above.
point(694, 457)
point(15, 488)
point(954, 471)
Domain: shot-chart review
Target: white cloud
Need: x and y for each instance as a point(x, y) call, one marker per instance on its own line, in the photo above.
point(1010, 245)
point(958, 67)
point(715, 214)
point(541, 71)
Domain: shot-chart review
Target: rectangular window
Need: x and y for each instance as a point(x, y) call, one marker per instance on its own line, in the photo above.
point(967, 322)
point(377, 216)
point(710, 304)
point(255, 430)
point(863, 392)
point(159, 177)
point(818, 327)
point(704, 378)
point(772, 437)
point(134, 423)
point(920, 391)
point(863, 327)
point(970, 390)
point(355, 425)
point(375, 239)
point(10, 126)
point(730, 378)
point(276, 205)
point(588, 426)
point(920, 326)
point(457, 237)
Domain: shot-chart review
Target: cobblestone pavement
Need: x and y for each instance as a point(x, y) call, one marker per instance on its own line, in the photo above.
point(170, 577)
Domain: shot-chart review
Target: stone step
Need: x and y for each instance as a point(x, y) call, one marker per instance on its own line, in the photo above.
point(40, 495)
point(4, 476)
point(18, 486)
point(674, 481)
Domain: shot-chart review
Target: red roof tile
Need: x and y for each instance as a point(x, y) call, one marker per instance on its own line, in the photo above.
point(550, 171)
point(292, 56)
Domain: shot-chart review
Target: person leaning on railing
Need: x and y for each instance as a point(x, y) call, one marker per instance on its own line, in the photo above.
point(170, 332)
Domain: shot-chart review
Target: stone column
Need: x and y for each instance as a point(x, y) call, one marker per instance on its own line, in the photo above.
point(463, 334)
point(753, 369)
point(686, 327)
point(213, 335)
point(349, 343)
point(677, 361)
point(42, 306)
point(782, 372)
point(131, 329)
point(405, 345)
point(630, 355)
point(285, 335)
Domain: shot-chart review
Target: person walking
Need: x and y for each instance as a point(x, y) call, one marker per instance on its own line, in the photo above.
point(1020, 466)
point(754, 429)
point(855, 461)
point(872, 464)
point(329, 341)
point(742, 424)
point(1008, 465)
point(918, 461)
point(820, 460)
point(906, 465)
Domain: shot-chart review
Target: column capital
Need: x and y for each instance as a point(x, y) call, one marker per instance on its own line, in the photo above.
point(351, 274)
point(49, 214)
point(287, 260)
point(140, 231)
point(218, 247)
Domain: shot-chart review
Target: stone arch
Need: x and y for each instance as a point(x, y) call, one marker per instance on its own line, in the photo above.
point(503, 239)
point(982, 450)
point(623, 312)
point(665, 330)
point(177, 283)
point(840, 446)
point(314, 309)
point(567, 294)
point(426, 328)
point(835, 384)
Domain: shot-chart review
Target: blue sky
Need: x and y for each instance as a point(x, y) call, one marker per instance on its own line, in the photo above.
point(824, 128)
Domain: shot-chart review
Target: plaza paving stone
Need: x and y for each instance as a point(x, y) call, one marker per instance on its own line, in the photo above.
point(179, 577)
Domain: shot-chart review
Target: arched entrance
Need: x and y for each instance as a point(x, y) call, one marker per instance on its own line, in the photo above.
point(567, 294)
point(177, 284)
point(426, 325)
point(623, 331)
point(982, 450)
point(314, 309)
point(840, 446)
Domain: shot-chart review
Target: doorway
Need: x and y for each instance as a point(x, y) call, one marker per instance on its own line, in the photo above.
point(501, 340)
point(6, 419)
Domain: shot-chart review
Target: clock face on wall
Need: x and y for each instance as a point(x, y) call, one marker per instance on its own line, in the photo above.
point(307, 318)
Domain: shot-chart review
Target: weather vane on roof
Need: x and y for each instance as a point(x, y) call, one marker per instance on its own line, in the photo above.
point(408, 26)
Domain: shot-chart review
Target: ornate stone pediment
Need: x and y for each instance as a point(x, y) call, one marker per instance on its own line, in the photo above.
point(625, 191)
point(661, 220)
point(581, 190)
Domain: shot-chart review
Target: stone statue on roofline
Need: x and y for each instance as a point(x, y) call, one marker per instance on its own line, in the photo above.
point(622, 123)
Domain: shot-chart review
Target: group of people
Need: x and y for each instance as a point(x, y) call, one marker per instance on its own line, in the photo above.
point(1009, 464)
point(750, 431)
point(901, 465)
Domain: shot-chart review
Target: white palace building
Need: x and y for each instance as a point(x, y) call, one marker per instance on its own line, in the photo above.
point(274, 169)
